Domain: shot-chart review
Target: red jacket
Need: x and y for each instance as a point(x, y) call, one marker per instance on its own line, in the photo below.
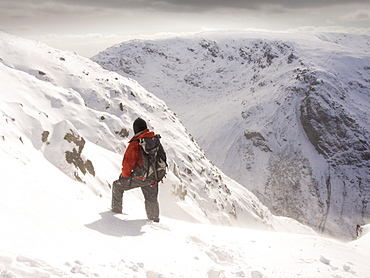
point(132, 156)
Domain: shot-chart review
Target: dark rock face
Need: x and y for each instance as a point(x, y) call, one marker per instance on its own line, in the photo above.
point(338, 136)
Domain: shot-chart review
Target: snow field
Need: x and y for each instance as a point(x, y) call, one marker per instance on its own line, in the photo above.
point(55, 226)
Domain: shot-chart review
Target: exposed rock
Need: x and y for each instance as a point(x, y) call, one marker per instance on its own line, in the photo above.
point(74, 156)
point(76, 139)
point(124, 133)
point(44, 136)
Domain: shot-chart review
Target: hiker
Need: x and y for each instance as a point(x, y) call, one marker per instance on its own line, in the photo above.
point(132, 175)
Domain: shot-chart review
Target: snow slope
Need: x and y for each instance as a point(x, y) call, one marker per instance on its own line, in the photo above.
point(79, 118)
point(285, 115)
point(65, 123)
point(53, 226)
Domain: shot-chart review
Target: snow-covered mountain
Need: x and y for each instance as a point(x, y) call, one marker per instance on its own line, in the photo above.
point(286, 115)
point(79, 117)
point(64, 125)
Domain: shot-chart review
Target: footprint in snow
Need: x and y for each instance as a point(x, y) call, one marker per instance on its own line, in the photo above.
point(348, 269)
point(23, 266)
point(159, 226)
point(324, 260)
point(214, 273)
point(197, 240)
point(220, 255)
point(153, 274)
point(257, 274)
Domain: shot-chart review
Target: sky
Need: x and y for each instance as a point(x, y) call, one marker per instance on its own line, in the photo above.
point(90, 26)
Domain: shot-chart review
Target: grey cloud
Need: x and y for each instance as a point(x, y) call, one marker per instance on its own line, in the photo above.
point(359, 15)
point(249, 4)
point(38, 8)
point(197, 5)
point(22, 13)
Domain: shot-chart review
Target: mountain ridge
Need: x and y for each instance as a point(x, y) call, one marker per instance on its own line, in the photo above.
point(64, 124)
point(79, 117)
point(254, 100)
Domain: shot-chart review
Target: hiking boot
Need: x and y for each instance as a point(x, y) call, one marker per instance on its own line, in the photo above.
point(156, 219)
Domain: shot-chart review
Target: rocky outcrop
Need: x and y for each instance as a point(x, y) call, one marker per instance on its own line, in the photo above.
point(63, 147)
point(74, 156)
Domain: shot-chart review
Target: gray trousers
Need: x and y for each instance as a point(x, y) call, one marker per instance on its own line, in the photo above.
point(150, 197)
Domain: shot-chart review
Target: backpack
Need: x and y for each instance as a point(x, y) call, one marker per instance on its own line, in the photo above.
point(154, 165)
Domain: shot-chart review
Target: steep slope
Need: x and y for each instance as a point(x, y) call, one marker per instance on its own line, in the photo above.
point(286, 115)
point(53, 226)
point(78, 117)
point(64, 124)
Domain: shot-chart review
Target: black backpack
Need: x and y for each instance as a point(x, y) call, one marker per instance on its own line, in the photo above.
point(154, 163)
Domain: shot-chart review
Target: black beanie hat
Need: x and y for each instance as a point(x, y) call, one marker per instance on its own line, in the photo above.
point(139, 125)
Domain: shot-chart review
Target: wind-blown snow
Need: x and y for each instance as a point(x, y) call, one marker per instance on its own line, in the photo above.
point(65, 123)
point(285, 115)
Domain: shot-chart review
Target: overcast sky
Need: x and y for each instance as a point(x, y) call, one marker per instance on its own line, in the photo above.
point(89, 26)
